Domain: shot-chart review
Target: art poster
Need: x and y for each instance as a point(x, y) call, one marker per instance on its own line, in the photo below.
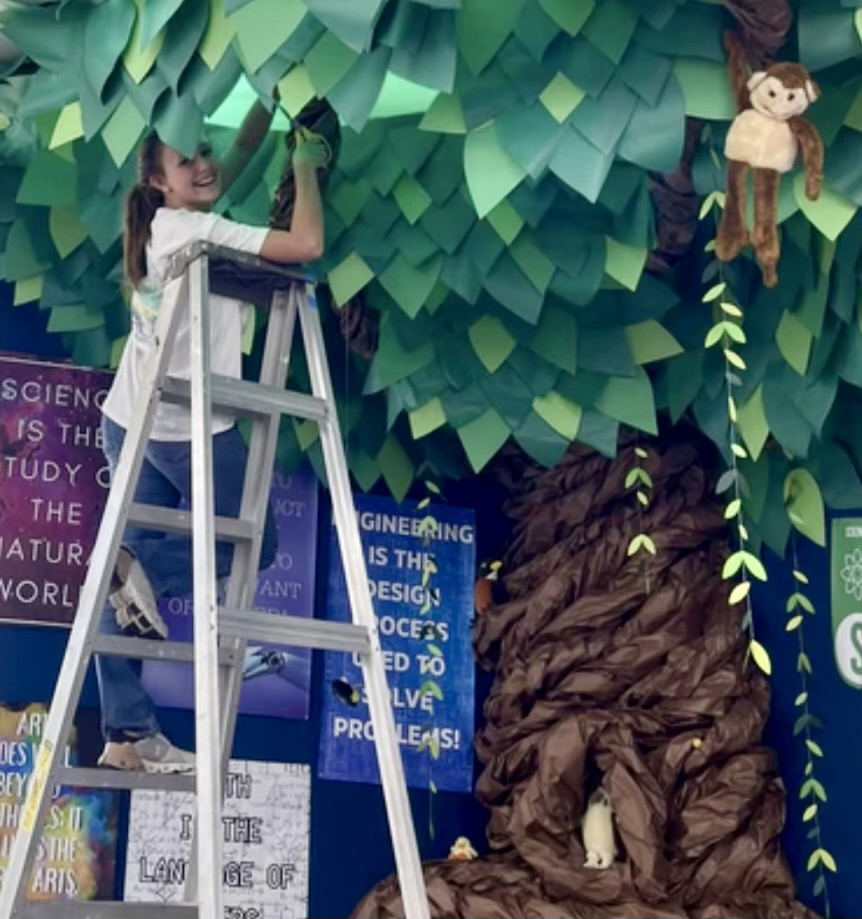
point(276, 680)
point(53, 478)
point(77, 852)
point(424, 622)
point(847, 598)
point(266, 825)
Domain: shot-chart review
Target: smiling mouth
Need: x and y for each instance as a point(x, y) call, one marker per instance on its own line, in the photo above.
point(206, 183)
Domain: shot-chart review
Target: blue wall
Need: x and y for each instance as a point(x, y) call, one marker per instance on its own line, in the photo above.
point(350, 848)
point(838, 706)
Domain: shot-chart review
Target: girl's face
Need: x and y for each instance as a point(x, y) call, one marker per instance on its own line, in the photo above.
point(190, 183)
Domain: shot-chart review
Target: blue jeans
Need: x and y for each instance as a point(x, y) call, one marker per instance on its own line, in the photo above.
point(166, 480)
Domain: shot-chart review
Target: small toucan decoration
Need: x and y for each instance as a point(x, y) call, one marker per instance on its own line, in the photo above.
point(486, 589)
point(345, 692)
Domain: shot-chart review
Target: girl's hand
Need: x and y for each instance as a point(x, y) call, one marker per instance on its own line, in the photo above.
point(311, 149)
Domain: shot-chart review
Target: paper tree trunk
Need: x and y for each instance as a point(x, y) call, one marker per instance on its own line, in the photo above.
point(609, 672)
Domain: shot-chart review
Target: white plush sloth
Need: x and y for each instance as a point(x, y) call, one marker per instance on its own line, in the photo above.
point(597, 827)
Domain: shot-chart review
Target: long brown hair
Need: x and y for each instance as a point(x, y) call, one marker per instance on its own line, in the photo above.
point(141, 205)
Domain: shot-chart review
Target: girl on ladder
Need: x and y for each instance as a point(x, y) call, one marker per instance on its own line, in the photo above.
point(170, 208)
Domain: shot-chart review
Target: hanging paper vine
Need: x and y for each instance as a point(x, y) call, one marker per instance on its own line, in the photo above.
point(811, 789)
point(727, 333)
point(430, 739)
point(639, 479)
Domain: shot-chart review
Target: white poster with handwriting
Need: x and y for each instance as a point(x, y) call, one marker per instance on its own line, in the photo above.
point(266, 825)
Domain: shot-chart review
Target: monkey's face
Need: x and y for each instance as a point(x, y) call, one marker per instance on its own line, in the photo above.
point(771, 97)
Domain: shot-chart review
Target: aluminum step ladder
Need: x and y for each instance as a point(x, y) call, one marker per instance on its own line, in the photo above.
point(220, 633)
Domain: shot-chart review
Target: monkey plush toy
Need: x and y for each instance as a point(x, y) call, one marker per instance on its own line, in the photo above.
point(766, 137)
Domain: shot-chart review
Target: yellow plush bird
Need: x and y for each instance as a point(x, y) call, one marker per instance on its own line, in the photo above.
point(462, 850)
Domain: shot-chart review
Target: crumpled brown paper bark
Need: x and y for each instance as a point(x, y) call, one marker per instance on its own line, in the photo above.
point(633, 677)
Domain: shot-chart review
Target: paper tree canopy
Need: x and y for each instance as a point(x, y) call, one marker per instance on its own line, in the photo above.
point(491, 216)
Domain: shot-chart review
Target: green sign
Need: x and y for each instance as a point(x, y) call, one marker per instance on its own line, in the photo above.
point(847, 598)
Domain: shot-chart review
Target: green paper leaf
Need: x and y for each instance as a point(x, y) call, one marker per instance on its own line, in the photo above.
point(393, 361)
point(410, 285)
point(20, 259)
point(69, 126)
point(510, 287)
point(740, 592)
point(830, 213)
point(611, 28)
point(483, 437)
point(76, 318)
point(427, 418)
point(506, 221)
point(28, 289)
point(580, 165)
point(181, 42)
point(490, 171)
point(411, 197)
point(794, 342)
point(541, 441)
point(354, 96)
point(123, 130)
point(218, 36)
point(569, 14)
point(49, 181)
point(348, 278)
point(624, 263)
point(760, 656)
point(327, 62)
point(556, 338)
point(491, 341)
point(139, 61)
point(650, 341)
point(106, 33)
point(561, 414)
point(395, 467)
point(533, 262)
point(629, 400)
point(444, 116)
point(753, 424)
point(706, 89)
point(561, 97)
point(353, 23)
point(179, 122)
point(483, 27)
point(805, 505)
point(263, 26)
point(155, 15)
point(67, 231)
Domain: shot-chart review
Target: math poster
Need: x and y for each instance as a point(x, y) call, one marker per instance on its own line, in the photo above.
point(266, 825)
point(421, 569)
point(77, 851)
point(53, 478)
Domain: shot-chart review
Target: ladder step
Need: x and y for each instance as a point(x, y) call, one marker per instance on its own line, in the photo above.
point(105, 909)
point(155, 650)
point(172, 520)
point(122, 779)
point(251, 398)
point(294, 631)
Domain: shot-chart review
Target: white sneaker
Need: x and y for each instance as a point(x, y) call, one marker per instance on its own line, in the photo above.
point(134, 599)
point(158, 754)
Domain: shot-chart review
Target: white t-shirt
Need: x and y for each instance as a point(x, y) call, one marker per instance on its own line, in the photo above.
point(173, 229)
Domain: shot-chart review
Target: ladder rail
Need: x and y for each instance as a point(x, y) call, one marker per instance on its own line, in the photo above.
point(210, 782)
point(402, 832)
point(217, 654)
point(85, 627)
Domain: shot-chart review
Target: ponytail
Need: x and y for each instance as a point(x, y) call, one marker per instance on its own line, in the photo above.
point(141, 205)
